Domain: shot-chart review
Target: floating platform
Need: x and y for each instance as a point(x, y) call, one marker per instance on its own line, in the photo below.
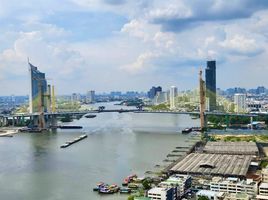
point(74, 141)
point(70, 127)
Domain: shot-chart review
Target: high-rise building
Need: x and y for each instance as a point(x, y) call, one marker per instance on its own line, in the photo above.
point(211, 84)
point(90, 96)
point(240, 102)
point(76, 97)
point(152, 92)
point(38, 90)
point(173, 95)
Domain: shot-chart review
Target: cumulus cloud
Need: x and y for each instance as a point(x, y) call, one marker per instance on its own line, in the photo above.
point(99, 38)
point(241, 45)
point(177, 15)
point(143, 61)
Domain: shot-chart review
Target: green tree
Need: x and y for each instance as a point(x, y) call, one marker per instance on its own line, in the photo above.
point(203, 198)
point(131, 197)
point(146, 185)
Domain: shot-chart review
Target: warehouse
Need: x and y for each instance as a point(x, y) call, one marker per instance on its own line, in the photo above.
point(214, 164)
point(237, 148)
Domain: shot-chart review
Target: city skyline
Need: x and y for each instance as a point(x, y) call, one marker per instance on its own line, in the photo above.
point(149, 43)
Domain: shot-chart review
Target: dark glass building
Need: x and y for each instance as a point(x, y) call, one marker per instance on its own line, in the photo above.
point(211, 85)
point(38, 90)
point(152, 92)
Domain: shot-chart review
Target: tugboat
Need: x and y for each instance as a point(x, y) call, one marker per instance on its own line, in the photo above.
point(186, 130)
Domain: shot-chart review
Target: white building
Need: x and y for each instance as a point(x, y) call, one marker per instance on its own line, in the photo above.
point(263, 191)
point(212, 195)
point(264, 175)
point(234, 185)
point(181, 182)
point(161, 193)
point(90, 98)
point(173, 95)
point(240, 102)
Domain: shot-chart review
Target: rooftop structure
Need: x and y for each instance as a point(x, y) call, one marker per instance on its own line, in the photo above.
point(238, 148)
point(214, 164)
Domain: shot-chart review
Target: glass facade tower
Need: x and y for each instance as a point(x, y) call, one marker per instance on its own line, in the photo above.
point(38, 90)
point(211, 85)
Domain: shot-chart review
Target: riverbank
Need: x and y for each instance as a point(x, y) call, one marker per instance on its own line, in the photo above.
point(240, 137)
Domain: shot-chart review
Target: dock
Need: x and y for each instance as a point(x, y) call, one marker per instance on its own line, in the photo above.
point(67, 144)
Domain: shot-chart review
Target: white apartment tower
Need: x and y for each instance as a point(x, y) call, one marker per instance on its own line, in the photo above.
point(173, 95)
point(240, 102)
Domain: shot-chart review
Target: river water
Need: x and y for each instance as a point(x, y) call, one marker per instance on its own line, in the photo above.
point(34, 167)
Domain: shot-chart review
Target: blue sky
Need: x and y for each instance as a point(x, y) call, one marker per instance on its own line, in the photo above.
point(108, 45)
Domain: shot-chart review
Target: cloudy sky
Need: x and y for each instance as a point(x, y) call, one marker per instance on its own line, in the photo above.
point(109, 45)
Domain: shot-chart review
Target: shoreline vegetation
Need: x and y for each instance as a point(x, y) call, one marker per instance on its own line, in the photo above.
point(238, 138)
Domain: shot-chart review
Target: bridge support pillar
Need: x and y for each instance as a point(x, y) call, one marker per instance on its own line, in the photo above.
point(227, 121)
point(13, 121)
point(1, 121)
point(35, 120)
point(251, 123)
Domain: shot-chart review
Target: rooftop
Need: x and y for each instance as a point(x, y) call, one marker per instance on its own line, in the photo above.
point(214, 164)
point(241, 148)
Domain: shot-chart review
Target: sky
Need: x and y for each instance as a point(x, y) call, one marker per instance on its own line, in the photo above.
point(111, 45)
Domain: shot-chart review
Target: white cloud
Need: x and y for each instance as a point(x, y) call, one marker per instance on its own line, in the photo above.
point(142, 63)
point(241, 45)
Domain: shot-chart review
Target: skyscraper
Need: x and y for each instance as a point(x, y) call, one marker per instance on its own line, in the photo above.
point(211, 85)
point(152, 92)
point(38, 90)
point(173, 95)
point(90, 98)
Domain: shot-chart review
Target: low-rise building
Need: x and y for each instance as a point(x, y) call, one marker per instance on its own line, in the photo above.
point(237, 196)
point(263, 191)
point(181, 182)
point(264, 175)
point(162, 193)
point(234, 185)
point(211, 195)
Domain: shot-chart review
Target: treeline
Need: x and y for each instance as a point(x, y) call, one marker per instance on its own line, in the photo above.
point(235, 119)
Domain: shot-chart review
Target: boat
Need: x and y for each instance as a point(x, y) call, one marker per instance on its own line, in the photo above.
point(128, 179)
point(186, 130)
point(107, 189)
point(90, 116)
point(70, 127)
point(125, 190)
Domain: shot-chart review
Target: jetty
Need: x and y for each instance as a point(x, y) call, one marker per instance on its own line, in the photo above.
point(67, 144)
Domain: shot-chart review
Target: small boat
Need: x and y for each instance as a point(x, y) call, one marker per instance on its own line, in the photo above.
point(90, 116)
point(186, 130)
point(125, 190)
point(65, 145)
point(70, 127)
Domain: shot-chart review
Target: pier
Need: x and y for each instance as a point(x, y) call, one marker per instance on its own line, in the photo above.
point(67, 144)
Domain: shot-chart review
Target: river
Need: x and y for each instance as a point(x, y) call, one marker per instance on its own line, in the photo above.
point(34, 167)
